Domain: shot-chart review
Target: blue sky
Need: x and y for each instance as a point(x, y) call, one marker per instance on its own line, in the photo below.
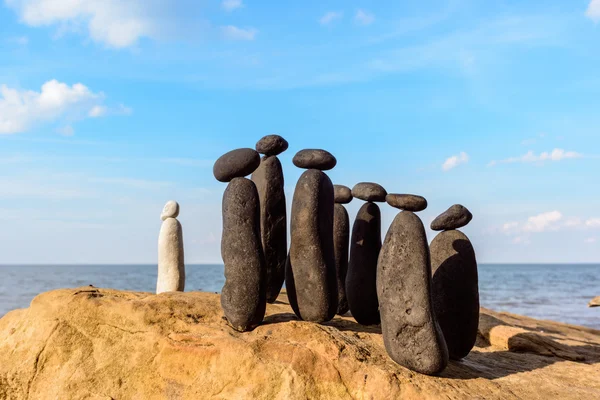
point(109, 109)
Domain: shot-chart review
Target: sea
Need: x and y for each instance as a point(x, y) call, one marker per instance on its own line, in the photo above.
point(544, 291)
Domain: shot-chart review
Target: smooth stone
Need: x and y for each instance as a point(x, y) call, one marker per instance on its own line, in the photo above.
point(407, 202)
point(455, 217)
point(170, 210)
point(171, 264)
point(595, 302)
point(314, 159)
point(411, 334)
point(369, 191)
point(342, 194)
point(455, 291)
point(361, 281)
point(236, 164)
point(244, 296)
point(341, 243)
point(310, 275)
point(272, 145)
point(269, 181)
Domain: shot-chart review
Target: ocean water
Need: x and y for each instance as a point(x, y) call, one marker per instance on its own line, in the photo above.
point(553, 292)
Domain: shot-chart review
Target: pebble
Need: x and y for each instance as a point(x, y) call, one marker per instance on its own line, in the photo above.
point(407, 202)
point(342, 194)
point(170, 210)
point(236, 164)
point(369, 191)
point(314, 159)
point(455, 217)
point(271, 145)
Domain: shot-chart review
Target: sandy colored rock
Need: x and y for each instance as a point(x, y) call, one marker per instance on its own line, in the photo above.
point(341, 243)
point(171, 263)
point(170, 210)
point(595, 302)
point(90, 343)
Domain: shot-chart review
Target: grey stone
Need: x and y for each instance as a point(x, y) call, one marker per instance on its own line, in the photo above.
point(236, 164)
point(171, 264)
point(310, 275)
point(455, 217)
point(361, 281)
point(244, 296)
point(268, 178)
point(407, 202)
point(170, 210)
point(271, 145)
point(342, 194)
point(314, 159)
point(369, 191)
point(341, 243)
point(455, 291)
point(411, 334)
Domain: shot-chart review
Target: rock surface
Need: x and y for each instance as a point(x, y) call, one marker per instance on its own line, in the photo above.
point(342, 194)
point(90, 343)
point(271, 145)
point(455, 217)
point(170, 210)
point(236, 164)
point(407, 202)
point(314, 159)
point(595, 302)
point(171, 261)
point(369, 191)
point(341, 243)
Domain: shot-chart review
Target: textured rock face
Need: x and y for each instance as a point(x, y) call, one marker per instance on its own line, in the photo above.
point(369, 191)
point(171, 264)
point(314, 159)
point(455, 291)
point(236, 164)
point(407, 202)
point(455, 217)
point(342, 194)
point(271, 145)
point(361, 284)
point(595, 302)
point(411, 334)
point(269, 181)
point(341, 243)
point(170, 210)
point(310, 275)
point(244, 295)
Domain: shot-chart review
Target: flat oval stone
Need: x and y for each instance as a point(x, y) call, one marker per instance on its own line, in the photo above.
point(369, 191)
point(271, 145)
point(407, 202)
point(314, 159)
point(341, 243)
point(342, 194)
point(236, 164)
point(170, 210)
point(455, 217)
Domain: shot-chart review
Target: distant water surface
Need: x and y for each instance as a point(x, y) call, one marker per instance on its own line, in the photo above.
point(554, 292)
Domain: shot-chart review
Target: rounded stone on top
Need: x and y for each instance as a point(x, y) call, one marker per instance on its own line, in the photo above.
point(236, 164)
point(314, 159)
point(369, 191)
point(342, 194)
point(271, 145)
point(455, 217)
point(407, 202)
point(170, 210)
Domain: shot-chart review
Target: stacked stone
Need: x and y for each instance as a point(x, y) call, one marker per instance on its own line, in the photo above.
point(310, 275)
point(365, 245)
point(171, 264)
point(341, 242)
point(269, 182)
point(411, 334)
point(455, 281)
point(244, 295)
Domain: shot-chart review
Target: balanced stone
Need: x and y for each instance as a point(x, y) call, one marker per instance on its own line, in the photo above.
point(342, 194)
point(595, 302)
point(369, 191)
point(171, 264)
point(236, 164)
point(455, 217)
point(411, 334)
point(268, 178)
point(407, 202)
point(341, 238)
point(361, 281)
point(271, 145)
point(310, 275)
point(244, 296)
point(314, 159)
point(455, 291)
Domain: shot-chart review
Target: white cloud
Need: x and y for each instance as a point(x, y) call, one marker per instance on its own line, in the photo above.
point(363, 18)
point(593, 223)
point(66, 130)
point(455, 161)
point(329, 17)
point(230, 5)
point(531, 157)
point(593, 11)
point(542, 222)
point(234, 33)
point(590, 240)
point(97, 111)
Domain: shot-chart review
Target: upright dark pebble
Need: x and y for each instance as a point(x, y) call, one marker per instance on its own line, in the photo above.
point(369, 191)
point(341, 242)
point(407, 202)
point(314, 159)
point(271, 145)
point(236, 164)
point(342, 194)
point(455, 217)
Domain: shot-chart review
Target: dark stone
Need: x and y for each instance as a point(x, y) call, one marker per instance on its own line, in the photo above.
point(407, 202)
point(411, 334)
point(341, 242)
point(369, 191)
point(236, 164)
point(310, 275)
point(268, 178)
point(314, 159)
point(342, 194)
point(244, 296)
point(455, 291)
point(455, 217)
point(271, 145)
point(361, 282)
